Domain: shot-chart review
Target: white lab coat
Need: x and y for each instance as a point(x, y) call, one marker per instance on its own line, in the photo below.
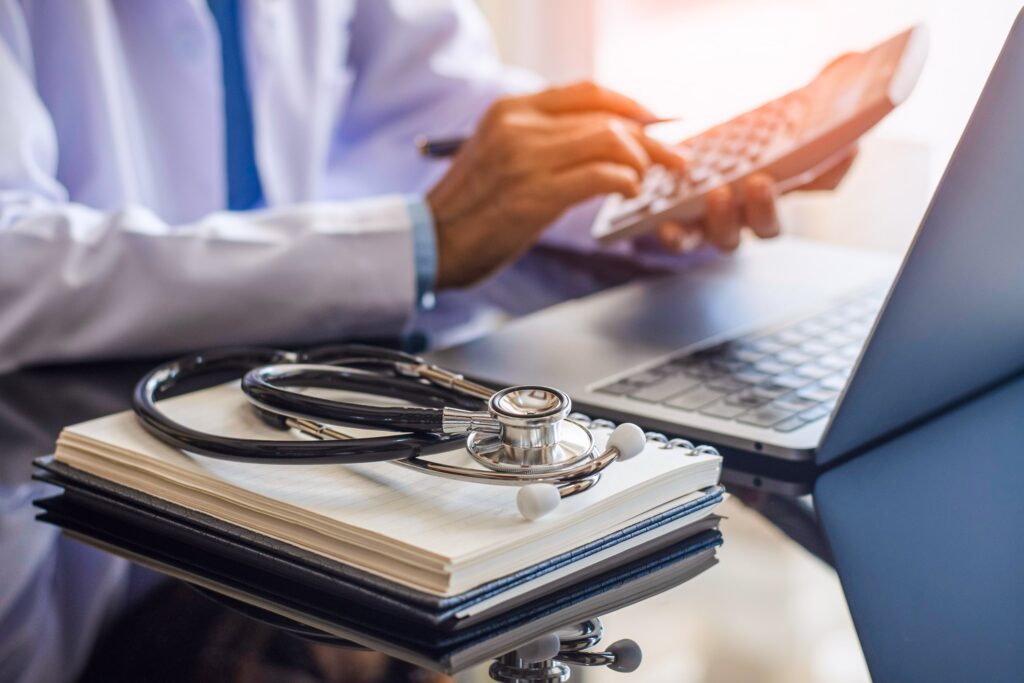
point(113, 238)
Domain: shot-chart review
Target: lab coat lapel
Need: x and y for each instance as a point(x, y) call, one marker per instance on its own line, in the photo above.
point(135, 88)
point(185, 105)
point(295, 53)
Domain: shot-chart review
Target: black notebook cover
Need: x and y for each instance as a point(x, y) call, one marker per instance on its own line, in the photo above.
point(235, 574)
point(129, 514)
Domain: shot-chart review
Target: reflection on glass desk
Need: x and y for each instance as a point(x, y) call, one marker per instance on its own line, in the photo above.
point(770, 610)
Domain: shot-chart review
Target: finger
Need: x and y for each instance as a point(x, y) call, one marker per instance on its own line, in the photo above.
point(679, 238)
point(584, 181)
point(657, 151)
point(723, 218)
point(830, 179)
point(589, 96)
point(609, 141)
point(661, 154)
point(759, 210)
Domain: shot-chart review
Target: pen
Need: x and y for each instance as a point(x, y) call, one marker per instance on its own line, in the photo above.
point(446, 147)
point(437, 149)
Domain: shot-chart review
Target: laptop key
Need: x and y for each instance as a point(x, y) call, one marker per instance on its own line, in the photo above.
point(726, 383)
point(645, 377)
point(833, 382)
point(723, 410)
point(815, 413)
point(746, 398)
point(771, 367)
point(710, 351)
point(665, 388)
point(791, 337)
point(728, 365)
point(695, 398)
point(850, 351)
point(793, 357)
point(814, 348)
point(814, 371)
point(812, 328)
point(791, 380)
point(790, 424)
point(749, 355)
point(765, 416)
point(835, 361)
point(701, 369)
point(770, 390)
point(817, 393)
point(794, 402)
point(623, 386)
point(836, 339)
point(767, 345)
point(750, 377)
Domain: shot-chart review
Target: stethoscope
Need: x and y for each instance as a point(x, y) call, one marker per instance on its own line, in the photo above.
point(521, 436)
point(547, 658)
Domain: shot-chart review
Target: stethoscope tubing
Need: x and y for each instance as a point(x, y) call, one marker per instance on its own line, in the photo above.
point(267, 386)
point(158, 382)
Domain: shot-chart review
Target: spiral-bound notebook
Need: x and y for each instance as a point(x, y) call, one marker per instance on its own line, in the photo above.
point(434, 536)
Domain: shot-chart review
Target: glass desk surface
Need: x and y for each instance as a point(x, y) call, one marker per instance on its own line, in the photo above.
point(769, 610)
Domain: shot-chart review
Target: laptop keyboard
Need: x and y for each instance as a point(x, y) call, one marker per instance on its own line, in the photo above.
point(782, 380)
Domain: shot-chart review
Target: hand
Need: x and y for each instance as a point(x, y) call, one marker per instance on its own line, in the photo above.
point(530, 159)
point(725, 215)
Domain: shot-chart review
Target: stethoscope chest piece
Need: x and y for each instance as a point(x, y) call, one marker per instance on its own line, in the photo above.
point(534, 433)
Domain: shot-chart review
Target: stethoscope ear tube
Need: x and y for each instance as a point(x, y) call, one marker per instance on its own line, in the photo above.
point(158, 381)
point(266, 386)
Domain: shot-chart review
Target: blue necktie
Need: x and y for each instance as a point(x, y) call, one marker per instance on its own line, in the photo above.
point(244, 190)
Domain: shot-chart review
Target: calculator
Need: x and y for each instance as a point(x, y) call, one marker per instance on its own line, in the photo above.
point(793, 138)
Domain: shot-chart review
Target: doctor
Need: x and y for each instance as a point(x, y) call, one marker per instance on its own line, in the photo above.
point(133, 220)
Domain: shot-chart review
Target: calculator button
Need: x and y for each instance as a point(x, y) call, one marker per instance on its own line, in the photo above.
point(726, 164)
point(699, 174)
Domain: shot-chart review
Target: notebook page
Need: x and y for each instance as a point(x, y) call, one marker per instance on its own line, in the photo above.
point(447, 519)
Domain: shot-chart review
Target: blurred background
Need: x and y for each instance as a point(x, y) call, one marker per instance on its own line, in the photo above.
point(708, 60)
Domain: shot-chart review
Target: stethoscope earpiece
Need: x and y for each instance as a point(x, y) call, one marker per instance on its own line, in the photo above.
point(537, 500)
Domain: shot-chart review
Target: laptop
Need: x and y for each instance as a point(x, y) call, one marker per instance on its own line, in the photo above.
point(799, 351)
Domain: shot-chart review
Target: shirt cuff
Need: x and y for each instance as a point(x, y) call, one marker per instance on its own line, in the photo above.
point(424, 237)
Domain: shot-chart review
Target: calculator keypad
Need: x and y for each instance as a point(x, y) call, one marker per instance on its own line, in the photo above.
point(719, 156)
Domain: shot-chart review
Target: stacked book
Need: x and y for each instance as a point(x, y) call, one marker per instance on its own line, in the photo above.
point(333, 545)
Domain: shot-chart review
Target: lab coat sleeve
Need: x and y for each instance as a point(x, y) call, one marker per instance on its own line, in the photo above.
point(76, 282)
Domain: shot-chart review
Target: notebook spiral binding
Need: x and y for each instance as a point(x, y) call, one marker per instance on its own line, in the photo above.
point(664, 442)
